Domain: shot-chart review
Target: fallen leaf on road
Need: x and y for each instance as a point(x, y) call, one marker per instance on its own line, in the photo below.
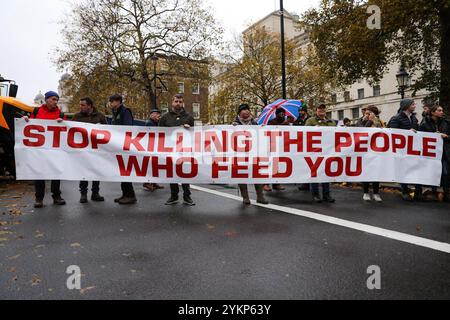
point(210, 226)
point(14, 279)
point(231, 233)
point(39, 234)
point(3, 239)
point(12, 270)
point(40, 246)
point(35, 281)
point(14, 258)
point(75, 245)
point(83, 291)
point(5, 232)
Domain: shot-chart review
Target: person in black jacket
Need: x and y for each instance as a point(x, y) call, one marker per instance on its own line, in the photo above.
point(155, 117)
point(435, 122)
point(122, 116)
point(178, 117)
point(406, 119)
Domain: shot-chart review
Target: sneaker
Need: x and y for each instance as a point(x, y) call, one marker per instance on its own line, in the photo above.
point(172, 200)
point(316, 199)
point(127, 200)
point(97, 197)
point(84, 198)
point(59, 201)
point(367, 197)
point(188, 201)
point(38, 204)
point(118, 199)
point(377, 198)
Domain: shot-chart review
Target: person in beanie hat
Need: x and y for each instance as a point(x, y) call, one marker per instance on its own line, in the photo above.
point(89, 114)
point(406, 120)
point(244, 117)
point(155, 116)
point(48, 111)
point(122, 116)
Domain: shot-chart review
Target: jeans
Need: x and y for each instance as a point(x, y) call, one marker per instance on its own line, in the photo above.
point(39, 186)
point(127, 189)
point(325, 189)
point(375, 185)
point(175, 190)
point(85, 184)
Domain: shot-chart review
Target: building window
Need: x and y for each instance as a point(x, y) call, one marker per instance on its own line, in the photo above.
point(355, 113)
point(196, 110)
point(334, 98)
point(360, 93)
point(196, 88)
point(347, 96)
point(376, 91)
point(341, 114)
point(164, 107)
point(181, 87)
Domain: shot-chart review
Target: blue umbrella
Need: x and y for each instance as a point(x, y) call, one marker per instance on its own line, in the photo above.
point(291, 109)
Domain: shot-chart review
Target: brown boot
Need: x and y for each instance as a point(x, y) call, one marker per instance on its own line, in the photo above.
point(128, 200)
point(244, 193)
point(260, 194)
point(39, 203)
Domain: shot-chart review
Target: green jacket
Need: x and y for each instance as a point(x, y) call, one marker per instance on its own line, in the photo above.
point(96, 117)
point(172, 119)
point(315, 121)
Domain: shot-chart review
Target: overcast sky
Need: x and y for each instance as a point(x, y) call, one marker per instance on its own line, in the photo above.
point(30, 34)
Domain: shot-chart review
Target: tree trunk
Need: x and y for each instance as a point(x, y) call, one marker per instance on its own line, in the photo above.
point(444, 94)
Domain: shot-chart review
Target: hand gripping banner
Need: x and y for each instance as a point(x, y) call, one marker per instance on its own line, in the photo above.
point(47, 150)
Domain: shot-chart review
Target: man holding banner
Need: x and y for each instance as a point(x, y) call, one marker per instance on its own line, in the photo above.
point(320, 120)
point(178, 117)
point(48, 111)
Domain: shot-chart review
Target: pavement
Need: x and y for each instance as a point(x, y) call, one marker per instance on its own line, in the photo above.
point(220, 249)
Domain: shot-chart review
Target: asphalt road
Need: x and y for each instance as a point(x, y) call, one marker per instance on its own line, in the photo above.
point(219, 249)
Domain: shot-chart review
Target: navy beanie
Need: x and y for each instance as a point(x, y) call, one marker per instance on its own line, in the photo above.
point(51, 94)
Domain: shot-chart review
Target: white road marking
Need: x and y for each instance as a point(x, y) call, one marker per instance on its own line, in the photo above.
point(395, 235)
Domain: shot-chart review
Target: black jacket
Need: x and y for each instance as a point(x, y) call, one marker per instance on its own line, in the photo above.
point(442, 126)
point(238, 122)
point(122, 117)
point(401, 121)
point(172, 119)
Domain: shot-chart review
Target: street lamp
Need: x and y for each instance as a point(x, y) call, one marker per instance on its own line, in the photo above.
point(283, 53)
point(403, 80)
point(155, 76)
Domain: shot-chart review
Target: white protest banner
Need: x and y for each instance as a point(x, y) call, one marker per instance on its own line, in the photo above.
point(47, 150)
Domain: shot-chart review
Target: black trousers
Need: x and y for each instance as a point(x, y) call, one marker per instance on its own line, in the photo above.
point(39, 186)
point(376, 187)
point(84, 185)
point(175, 189)
point(127, 189)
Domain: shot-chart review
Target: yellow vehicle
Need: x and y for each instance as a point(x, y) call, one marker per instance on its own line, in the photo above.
point(10, 108)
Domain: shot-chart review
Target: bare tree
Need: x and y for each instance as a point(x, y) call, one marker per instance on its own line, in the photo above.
point(124, 35)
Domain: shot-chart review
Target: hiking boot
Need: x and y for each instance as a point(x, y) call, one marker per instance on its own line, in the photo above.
point(187, 200)
point(118, 199)
point(267, 188)
point(158, 186)
point(260, 195)
point(127, 200)
point(172, 200)
point(97, 197)
point(329, 199)
point(59, 201)
point(39, 203)
point(244, 192)
point(316, 198)
point(84, 198)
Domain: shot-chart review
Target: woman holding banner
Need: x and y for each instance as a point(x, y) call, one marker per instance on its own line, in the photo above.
point(371, 120)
